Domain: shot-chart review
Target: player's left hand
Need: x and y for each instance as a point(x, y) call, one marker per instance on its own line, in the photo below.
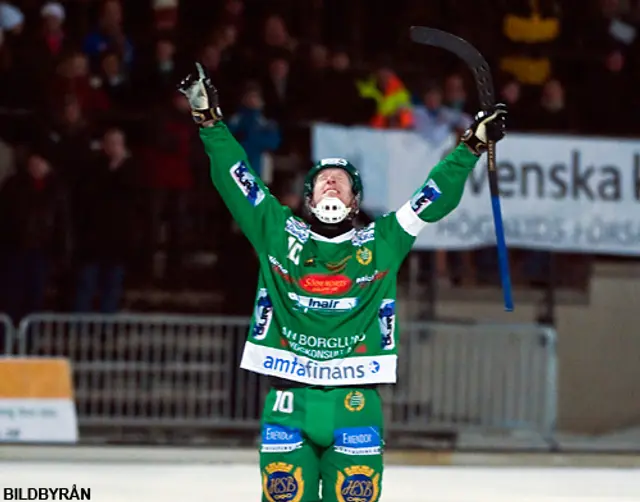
point(488, 125)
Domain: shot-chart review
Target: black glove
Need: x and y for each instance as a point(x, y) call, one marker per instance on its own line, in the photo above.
point(202, 96)
point(488, 125)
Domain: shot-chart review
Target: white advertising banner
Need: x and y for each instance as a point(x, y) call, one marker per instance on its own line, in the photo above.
point(561, 193)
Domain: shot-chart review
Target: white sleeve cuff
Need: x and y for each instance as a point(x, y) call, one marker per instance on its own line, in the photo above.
point(409, 220)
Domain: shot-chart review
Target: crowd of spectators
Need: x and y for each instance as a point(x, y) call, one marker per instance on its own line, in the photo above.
point(103, 181)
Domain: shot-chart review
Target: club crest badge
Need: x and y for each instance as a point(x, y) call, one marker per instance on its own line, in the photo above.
point(364, 255)
point(354, 401)
point(281, 482)
point(359, 483)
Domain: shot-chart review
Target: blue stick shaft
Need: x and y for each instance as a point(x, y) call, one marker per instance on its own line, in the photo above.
point(503, 256)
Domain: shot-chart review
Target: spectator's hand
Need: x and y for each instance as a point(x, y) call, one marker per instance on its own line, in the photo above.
point(487, 126)
point(202, 96)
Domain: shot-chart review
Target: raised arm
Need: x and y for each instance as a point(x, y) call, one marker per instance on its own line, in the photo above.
point(251, 204)
point(441, 192)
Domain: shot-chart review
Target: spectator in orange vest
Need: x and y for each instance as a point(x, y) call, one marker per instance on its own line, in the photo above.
point(393, 100)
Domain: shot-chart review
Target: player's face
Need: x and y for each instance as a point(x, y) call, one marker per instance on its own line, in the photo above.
point(333, 182)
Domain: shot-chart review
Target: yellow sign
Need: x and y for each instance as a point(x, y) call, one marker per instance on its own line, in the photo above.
point(35, 379)
point(282, 483)
point(364, 256)
point(361, 483)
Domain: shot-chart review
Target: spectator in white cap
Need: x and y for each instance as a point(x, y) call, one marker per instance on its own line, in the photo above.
point(43, 48)
point(53, 35)
point(11, 18)
point(53, 12)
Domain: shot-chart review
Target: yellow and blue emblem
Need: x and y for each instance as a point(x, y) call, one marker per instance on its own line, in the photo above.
point(281, 482)
point(358, 483)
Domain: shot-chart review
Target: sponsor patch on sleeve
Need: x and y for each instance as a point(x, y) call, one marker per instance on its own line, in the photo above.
point(262, 315)
point(425, 196)
point(358, 441)
point(387, 321)
point(247, 183)
point(298, 229)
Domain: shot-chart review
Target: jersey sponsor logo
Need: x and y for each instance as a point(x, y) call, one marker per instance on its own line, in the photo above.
point(364, 235)
point(281, 482)
point(247, 183)
point(310, 303)
point(358, 441)
point(277, 267)
point(425, 196)
point(354, 401)
point(387, 320)
point(358, 483)
point(364, 256)
point(325, 284)
point(321, 348)
point(280, 439)
point(298, 229)
point(317, 371)
point(262, 314)
point(351, 370)
point(367, 279)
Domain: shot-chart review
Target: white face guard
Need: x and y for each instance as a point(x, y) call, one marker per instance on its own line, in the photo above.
point(330, 210)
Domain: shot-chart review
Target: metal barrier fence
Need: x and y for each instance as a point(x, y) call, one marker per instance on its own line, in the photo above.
point(163, 371)
point(180, 373)
point(475, 377)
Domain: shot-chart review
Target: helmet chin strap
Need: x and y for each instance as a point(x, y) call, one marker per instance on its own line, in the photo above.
point(330, 210)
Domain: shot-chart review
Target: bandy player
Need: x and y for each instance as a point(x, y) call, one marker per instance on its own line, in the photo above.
point(324, 327)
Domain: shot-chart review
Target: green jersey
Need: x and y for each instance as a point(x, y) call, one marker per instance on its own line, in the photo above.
point(325, 308)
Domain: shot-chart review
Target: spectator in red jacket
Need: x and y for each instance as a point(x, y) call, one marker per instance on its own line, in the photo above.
point(73, 78)
point(168, 175)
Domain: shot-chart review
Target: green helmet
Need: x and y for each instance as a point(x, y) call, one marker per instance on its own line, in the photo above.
point(356, 181)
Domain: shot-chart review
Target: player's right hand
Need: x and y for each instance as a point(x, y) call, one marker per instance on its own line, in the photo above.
point(488, 125)
point(202, 96)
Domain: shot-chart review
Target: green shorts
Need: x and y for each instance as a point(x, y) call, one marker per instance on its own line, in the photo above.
point(322, 444)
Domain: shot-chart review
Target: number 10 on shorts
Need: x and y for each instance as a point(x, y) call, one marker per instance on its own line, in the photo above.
point(284, 401)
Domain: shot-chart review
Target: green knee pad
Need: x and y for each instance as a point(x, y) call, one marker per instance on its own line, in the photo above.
point(322, 444)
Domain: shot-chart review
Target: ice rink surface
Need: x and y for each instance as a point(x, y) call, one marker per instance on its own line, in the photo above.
point(118, 482)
